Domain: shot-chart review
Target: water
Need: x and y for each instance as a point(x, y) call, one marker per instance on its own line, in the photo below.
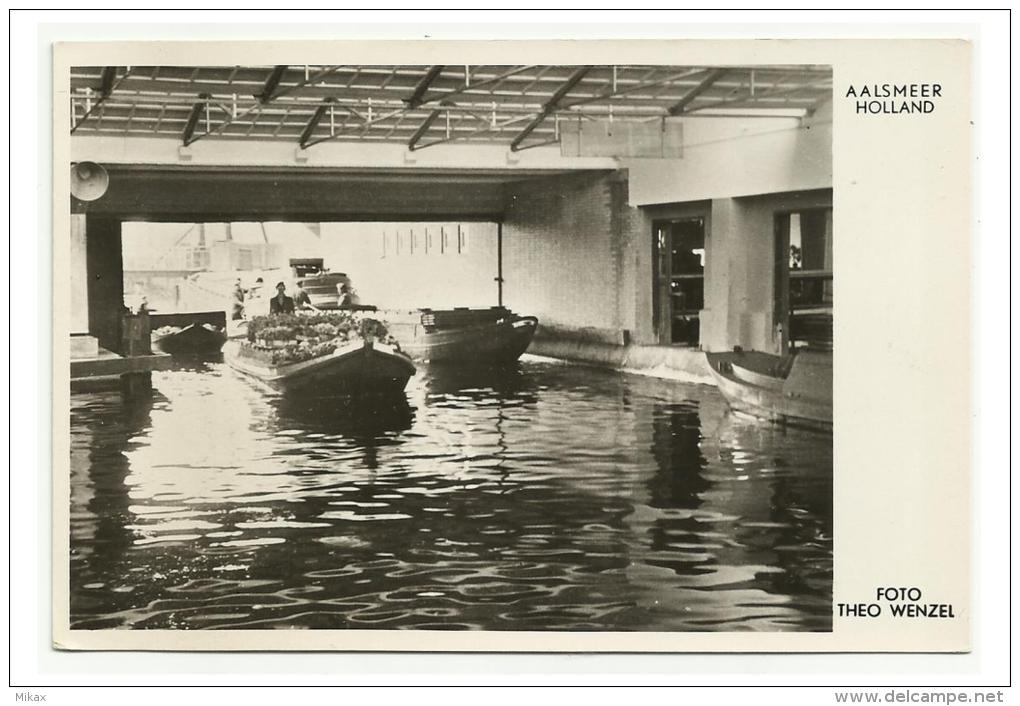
point(542, 497)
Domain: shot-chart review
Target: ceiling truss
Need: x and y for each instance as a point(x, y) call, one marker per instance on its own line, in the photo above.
point(422, 106)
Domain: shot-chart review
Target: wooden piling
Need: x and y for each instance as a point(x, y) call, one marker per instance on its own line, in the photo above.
point(136, 340)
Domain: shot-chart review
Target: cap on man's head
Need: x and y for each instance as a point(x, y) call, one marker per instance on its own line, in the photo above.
point(281, 285)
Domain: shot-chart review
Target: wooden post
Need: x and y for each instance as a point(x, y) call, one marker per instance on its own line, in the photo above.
point(105, 285)
point(136, 339)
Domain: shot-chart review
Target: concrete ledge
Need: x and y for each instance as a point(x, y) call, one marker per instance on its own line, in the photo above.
point(84, 346)
point(582, 334)
point(109, 364)
point(668, 362)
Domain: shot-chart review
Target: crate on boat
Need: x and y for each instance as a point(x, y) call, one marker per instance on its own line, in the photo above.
point(455, 318)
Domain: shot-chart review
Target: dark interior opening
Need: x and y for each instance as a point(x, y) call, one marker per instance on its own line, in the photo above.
point(679, 294)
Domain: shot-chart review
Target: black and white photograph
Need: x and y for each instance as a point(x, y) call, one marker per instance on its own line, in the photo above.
point(451, 347)
point(516, 349)
point(536, 347)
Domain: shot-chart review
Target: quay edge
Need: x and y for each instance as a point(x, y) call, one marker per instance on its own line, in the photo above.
point(667, 362)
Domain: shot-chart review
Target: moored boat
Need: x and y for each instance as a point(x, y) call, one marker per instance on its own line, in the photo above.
point(193, 339)
point(794, 389)
point(359, 367)
point(494, 335)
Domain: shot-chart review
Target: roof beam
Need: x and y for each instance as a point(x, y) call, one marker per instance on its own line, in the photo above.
point(774, 92)
point(306, 134)
point(498, 127)
point(257, 108)
point(271, 83)
point(196, 113)
point(422, 129)
point(467, 86)
point(641, 86)
point(680, 106)
point(159, 119)
point(550, 106)
point(418, 96)
point(107, 83)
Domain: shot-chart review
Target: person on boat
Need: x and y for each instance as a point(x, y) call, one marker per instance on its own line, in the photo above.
point(255, 292)
point(301, 300)
point(237, 301)
point(281, 303)
point(345, 297)
point(255, 299)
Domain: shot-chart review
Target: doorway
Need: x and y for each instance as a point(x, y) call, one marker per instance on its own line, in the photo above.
point(679, 280)
point(802, 308)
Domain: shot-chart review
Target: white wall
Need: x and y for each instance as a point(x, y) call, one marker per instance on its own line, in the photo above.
point(731, 157)
point(740, 269)
point(429, 274)
point(783, 164)
point(437, 276)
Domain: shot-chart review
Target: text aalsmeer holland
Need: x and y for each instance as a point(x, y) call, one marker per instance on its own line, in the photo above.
point(895, 98)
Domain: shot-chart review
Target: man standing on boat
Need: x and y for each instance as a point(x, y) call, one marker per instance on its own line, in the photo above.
point(344, 295)
point(281, 303)
point(237, 302)
point(301, 300)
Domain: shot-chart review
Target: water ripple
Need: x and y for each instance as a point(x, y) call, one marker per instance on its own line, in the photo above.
point(540, 497)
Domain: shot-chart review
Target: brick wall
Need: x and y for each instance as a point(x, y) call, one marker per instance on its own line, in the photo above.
point(570, 253)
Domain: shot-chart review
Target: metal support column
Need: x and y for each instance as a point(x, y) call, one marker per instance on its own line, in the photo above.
point(499, 261)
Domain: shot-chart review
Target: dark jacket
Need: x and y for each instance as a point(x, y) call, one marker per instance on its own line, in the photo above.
point(281, 307)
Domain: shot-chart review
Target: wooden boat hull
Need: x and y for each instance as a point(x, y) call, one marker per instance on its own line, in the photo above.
point(492, 342)
point(360, 368)
point(796, 390)
point(194, 339)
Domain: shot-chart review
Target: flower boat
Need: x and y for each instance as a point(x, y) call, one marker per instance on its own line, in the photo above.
point(495, 335)
point(793, 389)
point(322, 352)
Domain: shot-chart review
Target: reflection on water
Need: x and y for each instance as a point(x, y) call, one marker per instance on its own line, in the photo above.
point(536, 497)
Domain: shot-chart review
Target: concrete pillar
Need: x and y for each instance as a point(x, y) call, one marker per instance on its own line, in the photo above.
point(105, 280)
point(738, 278)
point(622, 243)
point(632, 245)
point(640, 265)
point(719, 274)
point(78, 277)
